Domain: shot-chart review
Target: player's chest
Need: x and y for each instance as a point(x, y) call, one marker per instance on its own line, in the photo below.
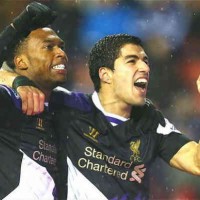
point(99, 141)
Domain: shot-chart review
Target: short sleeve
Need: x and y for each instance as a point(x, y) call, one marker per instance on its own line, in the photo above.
point(170, 140)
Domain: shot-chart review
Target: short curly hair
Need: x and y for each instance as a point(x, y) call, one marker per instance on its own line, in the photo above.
point(105, 52)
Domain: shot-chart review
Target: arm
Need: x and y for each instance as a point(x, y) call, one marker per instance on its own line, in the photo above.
point(198, 84)
point(32, 98)
point(188, 158)
point(7, 77)
point(6, 37)
point(34, 16)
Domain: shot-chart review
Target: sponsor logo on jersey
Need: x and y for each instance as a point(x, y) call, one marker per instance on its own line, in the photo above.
point(98, 161)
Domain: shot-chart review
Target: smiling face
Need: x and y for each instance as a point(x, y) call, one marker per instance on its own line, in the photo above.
point(130, 75)
point(43, 59)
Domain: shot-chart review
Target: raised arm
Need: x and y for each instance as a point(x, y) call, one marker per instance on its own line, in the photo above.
point(35, 15)
point(188, 157)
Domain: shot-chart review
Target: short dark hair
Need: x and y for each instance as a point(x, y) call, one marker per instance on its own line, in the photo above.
point(15, 49)
point(105, 52)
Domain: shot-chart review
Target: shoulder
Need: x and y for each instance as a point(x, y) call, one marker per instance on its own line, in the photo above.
point(167, 129)
point(8, 95)
point(64, 97)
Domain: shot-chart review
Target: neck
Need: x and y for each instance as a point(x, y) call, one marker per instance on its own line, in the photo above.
point(113, 105)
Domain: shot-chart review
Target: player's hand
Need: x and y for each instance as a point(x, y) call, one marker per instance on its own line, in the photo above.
point(148, 117)
point(35, 15)
point(32, 100)
point(198, 83)
point(138, 173)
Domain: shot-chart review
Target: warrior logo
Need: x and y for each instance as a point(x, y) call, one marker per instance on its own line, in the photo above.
point(134, 146)
point(92, 134)
point(39, 124)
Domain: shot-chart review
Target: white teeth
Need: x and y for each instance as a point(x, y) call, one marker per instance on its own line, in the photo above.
point(61, 66)
point(141, 80)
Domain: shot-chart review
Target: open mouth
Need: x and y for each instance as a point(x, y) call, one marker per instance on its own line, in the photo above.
point(59, 67)
point(141, 83)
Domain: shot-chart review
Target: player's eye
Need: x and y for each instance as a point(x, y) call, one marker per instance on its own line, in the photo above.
point(131, 61)
point(48, 47)
point(146, 61)
point(62, 47)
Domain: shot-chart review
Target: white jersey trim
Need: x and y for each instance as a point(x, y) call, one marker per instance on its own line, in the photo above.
point(97, 103)
point(79, 187)
point(35, 182)
point(169, 127)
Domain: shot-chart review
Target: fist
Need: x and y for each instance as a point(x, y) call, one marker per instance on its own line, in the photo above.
point(40, 14)
point(36, 15)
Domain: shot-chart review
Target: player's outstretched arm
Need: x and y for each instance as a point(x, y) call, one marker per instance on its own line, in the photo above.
point(32, 98)
point(188, 158)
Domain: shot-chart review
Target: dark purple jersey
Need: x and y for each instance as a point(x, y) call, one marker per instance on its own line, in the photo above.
point(28, 151)
point(100, 158)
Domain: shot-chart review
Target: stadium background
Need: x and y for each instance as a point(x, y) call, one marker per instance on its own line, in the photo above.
point(171, 33)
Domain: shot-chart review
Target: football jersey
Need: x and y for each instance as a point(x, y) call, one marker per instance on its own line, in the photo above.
point(28, 151)
point(102, 150)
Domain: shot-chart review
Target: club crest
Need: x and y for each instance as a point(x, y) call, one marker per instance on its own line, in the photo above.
point(134, 147)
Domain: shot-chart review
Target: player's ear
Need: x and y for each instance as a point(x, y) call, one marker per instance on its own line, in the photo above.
point(105, 74)
point(21, 62)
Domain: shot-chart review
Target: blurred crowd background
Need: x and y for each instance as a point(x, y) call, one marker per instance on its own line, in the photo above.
point(171, 34)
